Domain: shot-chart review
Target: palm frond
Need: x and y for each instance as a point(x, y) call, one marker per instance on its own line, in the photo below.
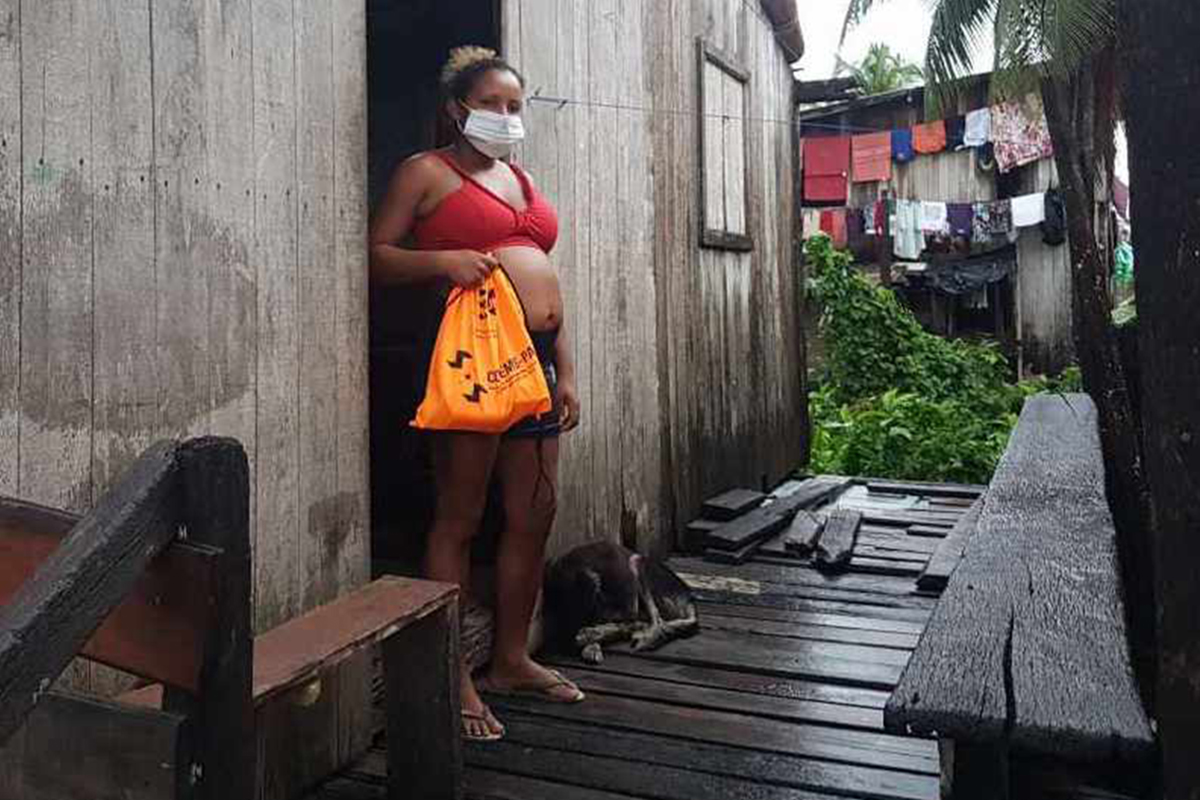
point(958, 26)
point(854, 15)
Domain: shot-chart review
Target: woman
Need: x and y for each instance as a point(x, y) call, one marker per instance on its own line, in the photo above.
point(469, 212)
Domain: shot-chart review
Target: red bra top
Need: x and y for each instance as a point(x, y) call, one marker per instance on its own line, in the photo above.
point(475, 218)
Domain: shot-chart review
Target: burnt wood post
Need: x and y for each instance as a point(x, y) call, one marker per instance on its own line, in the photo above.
point(424, 736)
point(90, 573)
point(215, 498)
point(1162, 113)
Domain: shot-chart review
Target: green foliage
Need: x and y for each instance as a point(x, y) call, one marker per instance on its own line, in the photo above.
point(897, 401)
point(881, 70)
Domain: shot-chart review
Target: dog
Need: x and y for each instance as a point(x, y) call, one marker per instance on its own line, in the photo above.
point(601, 593)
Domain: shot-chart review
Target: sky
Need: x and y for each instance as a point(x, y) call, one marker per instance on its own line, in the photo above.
point(901, 24)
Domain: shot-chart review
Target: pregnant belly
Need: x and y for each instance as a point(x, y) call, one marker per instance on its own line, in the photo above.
point(536, 281)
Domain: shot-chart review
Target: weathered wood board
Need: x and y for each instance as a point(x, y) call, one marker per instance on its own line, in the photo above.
point(1028, 642)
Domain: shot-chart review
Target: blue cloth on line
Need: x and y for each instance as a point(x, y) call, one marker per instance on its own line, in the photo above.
point(902, 145)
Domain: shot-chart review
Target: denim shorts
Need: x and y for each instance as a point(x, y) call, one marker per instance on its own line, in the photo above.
point(547, 425)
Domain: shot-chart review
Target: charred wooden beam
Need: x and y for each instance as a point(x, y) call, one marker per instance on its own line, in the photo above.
point(84, 580)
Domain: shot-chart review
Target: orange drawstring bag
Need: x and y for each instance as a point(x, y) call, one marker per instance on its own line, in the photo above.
point(485, 375)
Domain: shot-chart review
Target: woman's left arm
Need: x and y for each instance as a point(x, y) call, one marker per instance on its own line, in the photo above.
point(568, 394)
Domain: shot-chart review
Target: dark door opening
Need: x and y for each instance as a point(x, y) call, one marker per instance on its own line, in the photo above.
point(408, 42)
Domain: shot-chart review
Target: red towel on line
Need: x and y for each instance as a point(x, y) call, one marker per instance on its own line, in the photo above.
point(833, 222)
point(930, 137)
point(826, 168)
point(872, 155)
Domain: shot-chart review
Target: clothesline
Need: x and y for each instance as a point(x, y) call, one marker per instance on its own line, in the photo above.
point(562, 102)
point(913, 223)
point(1006, 132)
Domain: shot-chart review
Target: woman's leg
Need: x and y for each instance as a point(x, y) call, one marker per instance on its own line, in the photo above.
point(462, 466)
point(530, 485)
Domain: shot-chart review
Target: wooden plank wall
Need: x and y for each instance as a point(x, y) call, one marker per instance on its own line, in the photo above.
point(1043, 286)
point(182, 217)
point(688, 359)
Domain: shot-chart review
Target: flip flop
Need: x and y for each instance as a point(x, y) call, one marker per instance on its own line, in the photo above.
point(541, 691)
point(485, 718)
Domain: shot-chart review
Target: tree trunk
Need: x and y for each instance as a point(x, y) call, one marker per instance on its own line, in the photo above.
point(1162, 111)
point(1080, 113)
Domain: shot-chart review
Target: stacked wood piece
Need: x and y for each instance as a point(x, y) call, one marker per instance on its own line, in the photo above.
point(803, 534)
point(836, 545)
point(736, 541)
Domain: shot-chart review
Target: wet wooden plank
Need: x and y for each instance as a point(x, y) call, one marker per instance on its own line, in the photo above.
point(818, 604)
point(820, 633)
point(810, 618)
point(616, 775)
point(836, 545)
point(841, 745)
point(783, 573)
point(877, 668)
point(771, 686)
point(967, 491)
point(950, 551)
point(735, 762)
point(486, 784)
point(731, 504)
point(691, 695)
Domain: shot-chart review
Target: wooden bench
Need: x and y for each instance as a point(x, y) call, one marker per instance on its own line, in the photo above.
point(155, 581)
point(1023, 672)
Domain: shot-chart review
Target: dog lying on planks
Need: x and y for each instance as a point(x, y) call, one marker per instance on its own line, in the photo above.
point(601, 593)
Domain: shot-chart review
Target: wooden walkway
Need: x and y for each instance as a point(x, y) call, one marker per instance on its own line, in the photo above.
point(779, 697)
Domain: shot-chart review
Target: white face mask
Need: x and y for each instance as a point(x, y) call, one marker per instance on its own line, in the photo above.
point(494, 135)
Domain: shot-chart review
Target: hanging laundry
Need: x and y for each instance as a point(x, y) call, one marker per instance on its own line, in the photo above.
point(907, 242)
point(856, 234)
point(826, 168)
point(933, 217)
point(1054, 226)
point(961, 217)
point(955, 131)
point(833, 222)
point(929, 137)
point(902, 146)
point(810, 220)
point(978, 127)
point(985, 158)
point(991, 221)
point(1001, 217)
point(868, 218)
point(1123, 263)
point(872, 157)
point(1020, 134)
point(882, 221)
point(1028, 209)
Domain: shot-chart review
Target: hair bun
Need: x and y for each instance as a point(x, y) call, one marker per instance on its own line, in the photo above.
point(463, 57)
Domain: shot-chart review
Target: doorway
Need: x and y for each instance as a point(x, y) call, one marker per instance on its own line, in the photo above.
point(408, 41)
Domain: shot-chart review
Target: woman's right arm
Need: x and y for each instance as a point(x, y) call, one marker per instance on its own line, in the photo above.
point(392, 264)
